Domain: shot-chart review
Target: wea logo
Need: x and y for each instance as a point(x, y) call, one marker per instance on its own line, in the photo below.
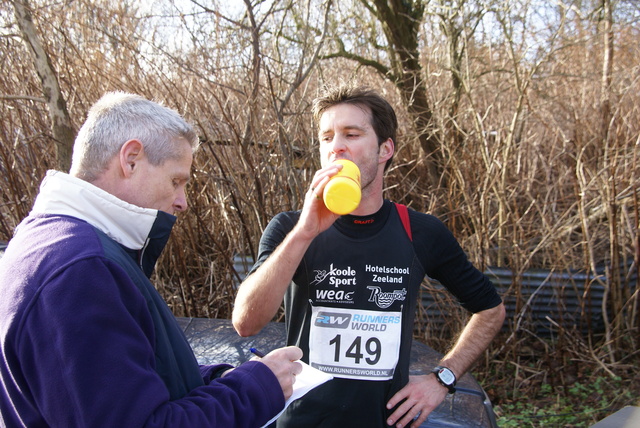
point(334, 320)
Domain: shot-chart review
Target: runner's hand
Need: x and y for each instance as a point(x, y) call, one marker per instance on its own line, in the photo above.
point(315, 217)
point(423, 394)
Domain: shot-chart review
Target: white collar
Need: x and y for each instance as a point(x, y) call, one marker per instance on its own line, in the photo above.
point(64, 194)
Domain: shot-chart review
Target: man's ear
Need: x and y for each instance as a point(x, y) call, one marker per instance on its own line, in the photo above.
point(386, 150)
point(131, 153)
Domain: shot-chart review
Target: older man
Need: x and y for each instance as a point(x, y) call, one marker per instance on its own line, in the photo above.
point(86, 340)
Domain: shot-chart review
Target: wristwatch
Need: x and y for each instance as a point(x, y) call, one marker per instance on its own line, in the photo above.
point(445, 377)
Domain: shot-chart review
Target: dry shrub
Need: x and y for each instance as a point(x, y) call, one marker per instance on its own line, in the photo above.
point(550, 185)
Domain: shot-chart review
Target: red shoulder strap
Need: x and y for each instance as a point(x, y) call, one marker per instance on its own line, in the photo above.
point(403, 212)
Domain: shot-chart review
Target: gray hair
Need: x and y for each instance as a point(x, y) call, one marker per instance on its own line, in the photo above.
point(118, 117)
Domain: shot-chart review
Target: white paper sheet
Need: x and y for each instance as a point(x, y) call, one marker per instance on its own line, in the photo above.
point(308, 379)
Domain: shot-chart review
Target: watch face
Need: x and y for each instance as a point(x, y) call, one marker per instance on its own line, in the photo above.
point(446, 376)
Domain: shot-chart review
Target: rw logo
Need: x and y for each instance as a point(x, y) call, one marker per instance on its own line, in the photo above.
point(329, 319)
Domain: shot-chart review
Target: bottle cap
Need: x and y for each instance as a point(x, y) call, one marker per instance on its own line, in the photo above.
point(342, 194)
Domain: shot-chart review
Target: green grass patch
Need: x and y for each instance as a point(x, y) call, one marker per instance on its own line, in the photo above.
point(578, 405)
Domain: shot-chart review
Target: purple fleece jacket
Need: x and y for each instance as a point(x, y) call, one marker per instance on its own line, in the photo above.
point(80, 353)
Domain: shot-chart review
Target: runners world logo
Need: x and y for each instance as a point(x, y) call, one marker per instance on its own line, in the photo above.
point(331, 319)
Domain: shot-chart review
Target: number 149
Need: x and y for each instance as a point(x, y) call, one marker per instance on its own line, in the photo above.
point(372, 347)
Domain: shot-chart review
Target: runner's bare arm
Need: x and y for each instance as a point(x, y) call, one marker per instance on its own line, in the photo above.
point(261, 294)
point(424, 393)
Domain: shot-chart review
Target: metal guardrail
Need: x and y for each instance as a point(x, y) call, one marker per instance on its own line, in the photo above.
point(544, 300)
point(548, 300)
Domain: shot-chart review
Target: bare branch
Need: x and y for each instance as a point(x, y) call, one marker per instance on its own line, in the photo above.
point(22, 97)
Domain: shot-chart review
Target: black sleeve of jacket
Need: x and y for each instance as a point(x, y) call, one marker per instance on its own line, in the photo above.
point(445, 261)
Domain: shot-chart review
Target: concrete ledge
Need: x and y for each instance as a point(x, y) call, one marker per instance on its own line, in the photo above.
point(628, 417)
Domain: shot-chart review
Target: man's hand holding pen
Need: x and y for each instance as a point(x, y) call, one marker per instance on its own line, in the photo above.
point(282, 362)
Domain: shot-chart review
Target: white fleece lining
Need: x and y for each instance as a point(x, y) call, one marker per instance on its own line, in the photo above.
point(63, 194)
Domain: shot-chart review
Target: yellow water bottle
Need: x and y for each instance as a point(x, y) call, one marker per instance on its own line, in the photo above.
point(342, 193)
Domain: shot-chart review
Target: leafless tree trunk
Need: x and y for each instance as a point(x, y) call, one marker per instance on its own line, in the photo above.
point(400, 21)
point(63, 132)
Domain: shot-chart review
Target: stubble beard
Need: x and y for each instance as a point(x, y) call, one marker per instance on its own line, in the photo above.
point(368, 174)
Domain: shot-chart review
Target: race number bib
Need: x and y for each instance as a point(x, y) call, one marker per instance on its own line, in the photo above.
point(355, 344)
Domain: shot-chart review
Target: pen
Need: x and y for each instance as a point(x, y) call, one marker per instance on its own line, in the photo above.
point(256, 352)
